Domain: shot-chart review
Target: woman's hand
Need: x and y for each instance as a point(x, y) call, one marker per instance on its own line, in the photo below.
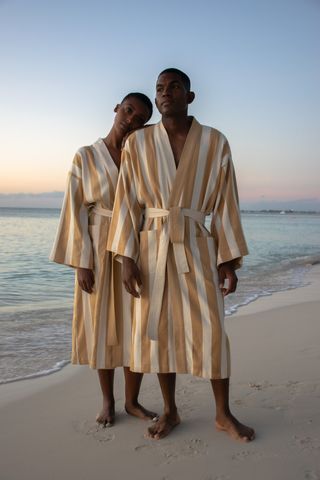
point(85, 279)
point(131, 276)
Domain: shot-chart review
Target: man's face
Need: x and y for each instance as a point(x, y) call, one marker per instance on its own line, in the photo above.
point(130, 115)
point(172, 97)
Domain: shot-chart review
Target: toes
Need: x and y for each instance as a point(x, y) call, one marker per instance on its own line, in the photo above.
point(107, 424)
point(105, 420)
point(247, 437)
point(152, 431)
point(155, 431)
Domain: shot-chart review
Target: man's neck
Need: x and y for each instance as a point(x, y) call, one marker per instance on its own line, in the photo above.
point(177, 124)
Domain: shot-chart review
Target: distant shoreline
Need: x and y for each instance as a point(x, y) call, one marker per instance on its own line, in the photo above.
point(253, 211)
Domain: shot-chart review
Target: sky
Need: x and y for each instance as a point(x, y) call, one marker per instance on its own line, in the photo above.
point(254, 67)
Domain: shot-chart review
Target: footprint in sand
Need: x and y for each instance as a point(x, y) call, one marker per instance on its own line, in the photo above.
point(306, 443)
point(244, 455)
point(310, 352)
point(254, 455)
point(219, 477)
point(187, 448)
point(311, 475)
point(140, 448)
point(172, 452)
point(95, 431)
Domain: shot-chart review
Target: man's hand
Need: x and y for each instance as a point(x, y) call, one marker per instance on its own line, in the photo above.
point(85, 279)
point(131, 276)
point(226, 272)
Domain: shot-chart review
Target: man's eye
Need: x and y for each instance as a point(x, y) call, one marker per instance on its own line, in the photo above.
point(128, 110)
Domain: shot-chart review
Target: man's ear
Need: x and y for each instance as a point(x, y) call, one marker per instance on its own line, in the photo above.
point(190, 97)
point(155, 101)
point(116, 108)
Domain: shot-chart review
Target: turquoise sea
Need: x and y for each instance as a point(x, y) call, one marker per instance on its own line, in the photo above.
point(36, 295)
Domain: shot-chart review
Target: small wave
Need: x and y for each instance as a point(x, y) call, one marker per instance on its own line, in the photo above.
point(58, 366)
point(234, 308)
point(303, 261)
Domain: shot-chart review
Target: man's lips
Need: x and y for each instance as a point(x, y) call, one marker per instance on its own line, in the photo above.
point(166, 102)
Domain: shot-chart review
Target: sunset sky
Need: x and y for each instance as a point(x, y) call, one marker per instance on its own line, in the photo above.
point(254, 67)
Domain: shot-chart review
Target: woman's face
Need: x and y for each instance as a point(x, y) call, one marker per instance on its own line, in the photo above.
point(130, 115)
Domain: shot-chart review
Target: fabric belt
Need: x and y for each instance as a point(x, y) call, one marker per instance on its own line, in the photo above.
point(172, 231)
point(102, 211)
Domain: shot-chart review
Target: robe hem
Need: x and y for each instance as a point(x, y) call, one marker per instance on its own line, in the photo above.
point(104, 367)
point(180, 372)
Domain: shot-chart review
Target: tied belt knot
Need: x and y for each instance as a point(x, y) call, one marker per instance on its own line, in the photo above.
point(172, 231)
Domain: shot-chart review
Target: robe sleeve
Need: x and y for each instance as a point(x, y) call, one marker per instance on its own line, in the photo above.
point(226, 221)
point(72, 245)
point(123, 238)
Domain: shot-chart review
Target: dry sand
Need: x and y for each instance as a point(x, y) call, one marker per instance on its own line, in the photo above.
point(48, 429)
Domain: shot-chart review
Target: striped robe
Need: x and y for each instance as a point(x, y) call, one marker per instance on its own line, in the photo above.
point(158, 221)
point(101, 331)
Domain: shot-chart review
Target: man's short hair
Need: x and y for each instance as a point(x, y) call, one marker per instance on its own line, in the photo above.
point(184, 77)
point(143, 98)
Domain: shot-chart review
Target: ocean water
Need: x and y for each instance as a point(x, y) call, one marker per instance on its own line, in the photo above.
point(36, 295)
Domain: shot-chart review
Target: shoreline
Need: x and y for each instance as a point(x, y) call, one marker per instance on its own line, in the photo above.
point(254, 305)
point(48, 423)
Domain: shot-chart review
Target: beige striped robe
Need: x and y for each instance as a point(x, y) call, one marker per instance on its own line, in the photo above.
point(101, 332)
point(178, 323)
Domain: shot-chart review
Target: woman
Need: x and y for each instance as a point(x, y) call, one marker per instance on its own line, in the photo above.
point(101, 331)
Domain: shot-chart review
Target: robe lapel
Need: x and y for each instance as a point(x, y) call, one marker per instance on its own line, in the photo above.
point(182, 186)
point(108, 161)
point(165, 162)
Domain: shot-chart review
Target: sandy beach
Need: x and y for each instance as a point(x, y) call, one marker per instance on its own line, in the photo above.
point(48, 425)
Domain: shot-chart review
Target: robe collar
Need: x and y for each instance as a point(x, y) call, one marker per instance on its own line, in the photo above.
point(180, 173)
point(111, 167)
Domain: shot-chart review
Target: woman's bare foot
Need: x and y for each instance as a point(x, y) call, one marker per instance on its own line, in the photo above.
point(137, 410)
point(163, 426)
point(106, 416)
point(235, 429)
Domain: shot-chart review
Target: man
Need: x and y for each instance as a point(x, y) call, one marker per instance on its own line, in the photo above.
point(173, 174)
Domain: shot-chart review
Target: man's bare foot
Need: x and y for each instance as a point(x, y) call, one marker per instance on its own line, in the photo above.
point(163, 426)
point(139, 411)
point(236, 430)
point(106, 416)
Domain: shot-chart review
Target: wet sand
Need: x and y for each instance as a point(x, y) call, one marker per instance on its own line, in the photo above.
point(48, 427)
